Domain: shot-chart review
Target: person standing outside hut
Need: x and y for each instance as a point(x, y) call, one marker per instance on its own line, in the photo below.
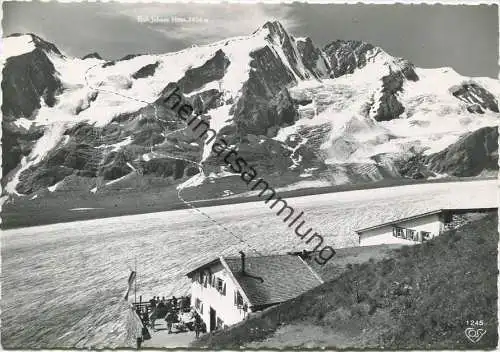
point(152, 303)
point(174, 303)
point(155, 313)
point(182, 305)
point(161, 304)
point(169, 319)
point(197, 324)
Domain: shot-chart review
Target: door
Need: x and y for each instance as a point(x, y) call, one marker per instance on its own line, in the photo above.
point(212, 319)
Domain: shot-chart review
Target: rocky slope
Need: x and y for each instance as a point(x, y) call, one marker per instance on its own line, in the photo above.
point(346, 113)
point(472, 154)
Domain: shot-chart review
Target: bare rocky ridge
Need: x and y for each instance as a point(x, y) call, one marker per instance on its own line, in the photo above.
point(477, 98)
point(93, 55)
point(474, 153)
point(146, 71)
point(28, 79)
point(347, 55)
point(313, 58)
point(213, 70)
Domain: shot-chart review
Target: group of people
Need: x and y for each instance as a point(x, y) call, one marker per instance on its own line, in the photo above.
point(192, 322)
point(170, 309)
point(174, 304)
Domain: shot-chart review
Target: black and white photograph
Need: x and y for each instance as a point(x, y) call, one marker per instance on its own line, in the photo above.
point(249, 175)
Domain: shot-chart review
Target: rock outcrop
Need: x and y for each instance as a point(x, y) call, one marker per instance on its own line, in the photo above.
point(477, 98)
point(93, 55)
point(146, 71)
point(472, 154)
point(345, 56)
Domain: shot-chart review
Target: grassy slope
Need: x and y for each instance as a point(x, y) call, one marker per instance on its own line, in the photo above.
point(345, 258)
point(451, 279)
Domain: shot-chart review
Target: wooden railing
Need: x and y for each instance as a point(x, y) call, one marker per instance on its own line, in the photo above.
point(146, 306)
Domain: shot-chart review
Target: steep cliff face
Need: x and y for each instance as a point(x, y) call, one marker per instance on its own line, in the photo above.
point(313, 58)
point(16, 143)
point(472, 154)
point(345, 56)
point(389, 106)
point(348, 56)
point(280, 37)
point(266, 79)
point(477, 98)
point(213, 70)
point(28, 79)
point(347, 113)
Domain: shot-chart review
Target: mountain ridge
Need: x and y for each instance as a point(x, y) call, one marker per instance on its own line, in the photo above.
point(342, 114)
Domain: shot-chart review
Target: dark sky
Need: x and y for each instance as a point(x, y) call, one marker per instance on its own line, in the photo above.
point(462, 37)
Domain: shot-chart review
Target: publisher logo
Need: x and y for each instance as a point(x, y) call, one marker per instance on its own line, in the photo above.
point(474, 334)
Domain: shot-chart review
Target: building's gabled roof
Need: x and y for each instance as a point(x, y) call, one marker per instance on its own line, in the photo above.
point(394, 222)
point(283, 277)
point(203, 266)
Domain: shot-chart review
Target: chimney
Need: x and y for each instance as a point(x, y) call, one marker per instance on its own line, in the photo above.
point(242, 262)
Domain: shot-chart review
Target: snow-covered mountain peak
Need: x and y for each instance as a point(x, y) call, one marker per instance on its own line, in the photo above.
point(277, 32)
point(346, 56)
point(18, 44)
point(284, 103)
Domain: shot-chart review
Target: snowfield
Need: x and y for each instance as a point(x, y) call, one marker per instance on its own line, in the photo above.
point(431, 122)
point(63, 284)
point(15, 46)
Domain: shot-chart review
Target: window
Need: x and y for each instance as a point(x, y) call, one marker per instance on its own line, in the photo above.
point(205, 279)
point(411, 235)
point(220, 286)
point(407, 234)
point(209, 279)
point(197, 303)
point(398, 232)
point(238, 300)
